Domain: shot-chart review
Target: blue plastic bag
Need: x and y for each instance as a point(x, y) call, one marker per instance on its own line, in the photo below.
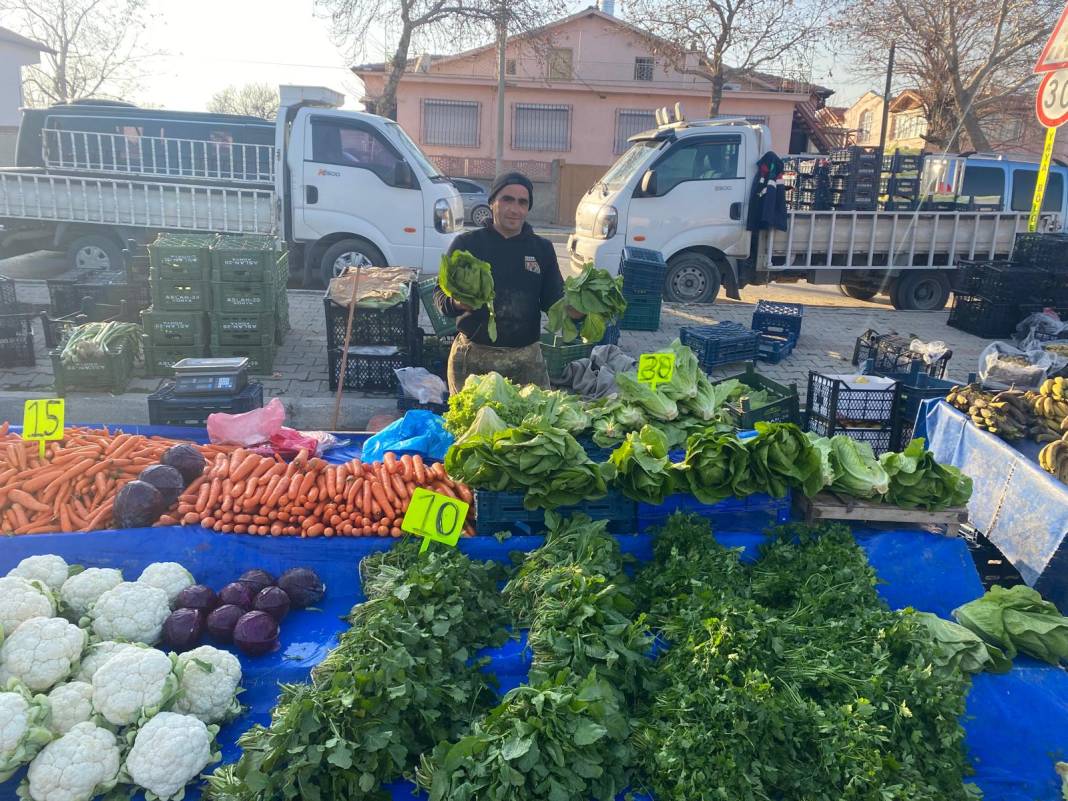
point(419, 431)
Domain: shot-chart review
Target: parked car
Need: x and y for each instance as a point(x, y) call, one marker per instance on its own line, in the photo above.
point(476, 200)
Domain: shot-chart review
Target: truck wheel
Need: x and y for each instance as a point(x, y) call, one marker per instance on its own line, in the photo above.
point(94, 252)
point(480, 215)
point(920, 290)
point(691, 278)
point(858, 291)
point(349, 253)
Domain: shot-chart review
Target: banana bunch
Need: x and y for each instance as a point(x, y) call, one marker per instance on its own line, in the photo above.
point(1054, 458)
point(1008, 414)
point(1051, 410)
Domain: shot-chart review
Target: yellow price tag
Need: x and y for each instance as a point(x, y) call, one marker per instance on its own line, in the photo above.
point(42, 420)
point(434, 516)
point(655, 368)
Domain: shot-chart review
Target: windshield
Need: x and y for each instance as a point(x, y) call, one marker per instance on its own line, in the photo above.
point(416, 154)
point(624, 168)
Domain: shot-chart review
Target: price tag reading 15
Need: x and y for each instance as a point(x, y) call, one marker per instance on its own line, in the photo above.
point(42, 420)
point(434, 516)
point(655, 368)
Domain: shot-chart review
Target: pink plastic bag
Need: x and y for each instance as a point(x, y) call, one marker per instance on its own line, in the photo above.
point(249, 428)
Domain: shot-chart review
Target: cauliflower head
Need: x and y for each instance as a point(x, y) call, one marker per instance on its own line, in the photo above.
point(131, 611)
point(71, 703)
point(42, 652)
point(134, 684)
point(170, 577)
point(23, 728)
point(81, 764)
point(96, 655)
point(208, 684)
point(21, 599)
point(80, 591)
point(170, 751)
point(49, 569)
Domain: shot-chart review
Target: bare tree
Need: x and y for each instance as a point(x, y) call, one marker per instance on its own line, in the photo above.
point(449, 24)
point(95, 44)
point(966, 58)
point(715, 39)
point(253, 99)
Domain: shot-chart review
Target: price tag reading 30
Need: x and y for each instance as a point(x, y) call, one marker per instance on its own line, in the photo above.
point(434, 516)
point(655, 368)
point(42, 420)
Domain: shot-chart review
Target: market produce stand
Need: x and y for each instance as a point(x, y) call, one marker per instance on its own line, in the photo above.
point(829, 506)
point(1021, 509)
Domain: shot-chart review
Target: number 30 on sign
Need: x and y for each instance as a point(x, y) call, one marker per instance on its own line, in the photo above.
point(434, 516)
point(42, 420)
point(655, 368)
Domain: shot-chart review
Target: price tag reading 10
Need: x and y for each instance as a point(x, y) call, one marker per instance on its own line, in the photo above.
point(655, 368)
point(42, 420)
point(434, 516)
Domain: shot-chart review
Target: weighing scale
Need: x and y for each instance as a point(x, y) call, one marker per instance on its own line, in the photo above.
point(210, 376)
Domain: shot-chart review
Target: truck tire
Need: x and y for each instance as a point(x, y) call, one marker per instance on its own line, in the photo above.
point(920, 290)
point(95, 251)
point(692, 278)
point(348, 252)
point(858, 291)
point(481, 215)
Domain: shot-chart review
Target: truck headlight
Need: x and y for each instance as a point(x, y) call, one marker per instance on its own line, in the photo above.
point(604, 226)
point(443, 219)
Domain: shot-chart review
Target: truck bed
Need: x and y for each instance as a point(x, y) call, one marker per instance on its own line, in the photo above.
point(32, 195)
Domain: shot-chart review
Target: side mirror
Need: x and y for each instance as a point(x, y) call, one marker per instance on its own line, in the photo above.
point(648, 185)
point(403, 176)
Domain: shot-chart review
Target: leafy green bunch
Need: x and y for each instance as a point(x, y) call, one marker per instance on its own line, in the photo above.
point(717, 466)
point(781, 457)
point(643, 470)
point(1018, 619)
point(849, 467)
point(514, 404)
point(597, 295)
point(469, 281)
point(917, 480)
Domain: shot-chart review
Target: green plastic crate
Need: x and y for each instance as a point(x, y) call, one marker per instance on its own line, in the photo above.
point(785, 409)
point(260, 359)
point(642, 314)
point(254, 330)
point(443, 326)
point(281, 313)
point(160, 359)
point(558, 355)
point(181, 256)
point(246, 259)
point(175, 329)
point(112, 373)
point(181, 295)
point(243, 298)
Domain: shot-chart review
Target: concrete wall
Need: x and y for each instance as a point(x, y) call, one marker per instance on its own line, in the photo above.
point(12, 58)
point(8, 137)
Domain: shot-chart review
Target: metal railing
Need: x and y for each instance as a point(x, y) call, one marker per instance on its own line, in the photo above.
point(155, 156)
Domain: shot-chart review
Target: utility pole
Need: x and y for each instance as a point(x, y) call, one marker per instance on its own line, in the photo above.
point(502, 41)
point(886, 101)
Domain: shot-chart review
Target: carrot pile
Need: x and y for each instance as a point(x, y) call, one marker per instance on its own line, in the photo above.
point(244, 492)
point(74, 487)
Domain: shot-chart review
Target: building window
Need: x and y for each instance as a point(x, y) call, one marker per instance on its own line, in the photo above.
point(630, 121)
point(451, 122)
point(761, 119)
point(864, 134)
point(909, 126)
point(509, 66)
point(643, 69)
point(560, 64)
point(540, 126)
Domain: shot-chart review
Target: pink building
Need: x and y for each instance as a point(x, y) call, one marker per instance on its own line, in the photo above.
point(575, 90)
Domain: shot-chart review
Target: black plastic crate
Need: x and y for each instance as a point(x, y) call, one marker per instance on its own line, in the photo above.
point(166, 408)
point(1007, 282)
point(642, 314)
point(773, 349)
point(891, 353)
point(968, 278)
point(643, 271)
point(786, 409)
point(983, 317)
point(393, 326)
point(901, 205)
point(504, 511)
point(866, 415)
point(913, 389)
point(778, 318)
point(16, 340)
point(369, 372)
point(720, 343)
point(1042, 251)
point(137, 260)
point(70, 292)
point(435, 354)
point(901, 162)
point(8, 301)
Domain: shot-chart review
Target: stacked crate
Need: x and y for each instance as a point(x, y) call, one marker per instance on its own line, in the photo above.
point(176, 325)
point(16, 329)
point(779, 327)
point(900, 182)
point(854, 178)
point(98, 294)
point(643, 274)
point(990, 297)
point(249, 309)
point(810, 188)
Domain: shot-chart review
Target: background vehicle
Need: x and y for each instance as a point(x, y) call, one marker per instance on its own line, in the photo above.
point(338, 187)
point(684, 189)
point(476, 201)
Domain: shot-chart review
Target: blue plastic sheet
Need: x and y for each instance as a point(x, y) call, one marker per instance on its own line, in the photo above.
point(419, 431)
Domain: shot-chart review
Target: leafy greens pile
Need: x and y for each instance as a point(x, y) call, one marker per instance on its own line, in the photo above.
point(469, 281)
point(849, 467)
point(643, 470)
point(917, 480)
point(596, 294)
point(1017, 619)
point(513, 405)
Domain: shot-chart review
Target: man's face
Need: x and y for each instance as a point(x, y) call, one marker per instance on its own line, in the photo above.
point(510, 208)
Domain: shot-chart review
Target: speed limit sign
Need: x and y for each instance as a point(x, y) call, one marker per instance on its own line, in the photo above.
point(1051, 101)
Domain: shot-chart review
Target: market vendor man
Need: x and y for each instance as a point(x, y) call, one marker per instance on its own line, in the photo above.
point(526, 282)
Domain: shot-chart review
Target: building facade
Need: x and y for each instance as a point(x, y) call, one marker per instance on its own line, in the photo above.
point(16, 52)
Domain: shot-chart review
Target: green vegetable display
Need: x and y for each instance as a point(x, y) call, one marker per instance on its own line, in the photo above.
point(643, 470)
point(596, 294)
point(1018, 619)
point(917, 480)
point(849, 467)
point(514, 405)
point(959, 648)
point(93, 341)
point(717, 466)
point(469, 281)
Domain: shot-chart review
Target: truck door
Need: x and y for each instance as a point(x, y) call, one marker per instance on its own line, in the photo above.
point(355, 182)
point(697, 197)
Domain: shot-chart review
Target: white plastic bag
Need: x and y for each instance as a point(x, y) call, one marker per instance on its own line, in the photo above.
point(1001, 366)
point(421, 384)
point(932, 351)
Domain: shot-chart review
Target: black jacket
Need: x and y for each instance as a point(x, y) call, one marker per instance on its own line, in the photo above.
point(526, 282)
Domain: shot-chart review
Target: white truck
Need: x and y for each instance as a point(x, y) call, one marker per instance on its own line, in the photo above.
point(338, 187)
point(684, 188)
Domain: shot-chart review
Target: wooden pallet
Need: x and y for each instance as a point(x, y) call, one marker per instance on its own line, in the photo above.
point(829, 506)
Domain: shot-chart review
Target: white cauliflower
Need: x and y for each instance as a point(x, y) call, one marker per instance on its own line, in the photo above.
point(49, 569)
point(134, 684)
point(208, 684)
point(42, 652)
point(23, 728)
point(131, 611)
point(71, 703)
point(80, 591)
point(169, 752)
point(170, 577)
point(96, 655)
point(81, 764)
point(21, 599)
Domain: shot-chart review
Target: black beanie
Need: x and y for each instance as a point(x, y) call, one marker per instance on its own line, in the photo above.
point(508, 179)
